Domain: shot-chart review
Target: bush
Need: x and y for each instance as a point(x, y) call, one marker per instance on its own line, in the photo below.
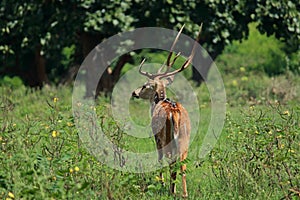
point(257, 53)
point(13, 82)
point(293, 62)
point(261, 156)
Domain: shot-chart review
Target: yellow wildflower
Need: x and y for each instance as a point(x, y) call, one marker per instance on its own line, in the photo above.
point(234, 83)
point(244, 78)
point(76, 169)
point(291, 150)
point(157, 178)
point(242, 69)
point(270, 132)
point(11, 195)
point(71, 170)
point(93, 108)
point(286, 113)
point(202, 106)
point(55, 99)
point(54, 134)
point(281, 146)
point(69, 124)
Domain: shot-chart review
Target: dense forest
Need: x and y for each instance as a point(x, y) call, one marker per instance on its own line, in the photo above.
point(45, 43)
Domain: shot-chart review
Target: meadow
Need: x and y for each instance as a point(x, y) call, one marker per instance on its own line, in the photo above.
point(256, 157)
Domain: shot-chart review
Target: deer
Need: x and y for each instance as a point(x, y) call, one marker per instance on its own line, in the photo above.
point(170, 122)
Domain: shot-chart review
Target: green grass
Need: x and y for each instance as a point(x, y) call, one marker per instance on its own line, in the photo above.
point(42, 156)
point(256, 157)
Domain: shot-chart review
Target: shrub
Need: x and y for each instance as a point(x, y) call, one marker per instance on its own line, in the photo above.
point(13, 82)
point(261, 156)
point(257, 53)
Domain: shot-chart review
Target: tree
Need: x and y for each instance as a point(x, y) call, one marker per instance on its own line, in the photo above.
point(33, 36)
point(224, 20)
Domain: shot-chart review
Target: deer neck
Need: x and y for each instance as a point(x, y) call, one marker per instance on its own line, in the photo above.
point(160, 95)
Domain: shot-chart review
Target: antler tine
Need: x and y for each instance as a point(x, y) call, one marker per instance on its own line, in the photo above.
point(188, 61)
point(144, 73)
point(168, 66)
point(173, 45)
point(160, 69)
point(195, 44)
point(170, 55)
point(172, 63)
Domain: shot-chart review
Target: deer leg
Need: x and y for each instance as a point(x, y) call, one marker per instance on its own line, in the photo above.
point(173, 174)
point(182, 169)
point(161, 177)
point(184, 188)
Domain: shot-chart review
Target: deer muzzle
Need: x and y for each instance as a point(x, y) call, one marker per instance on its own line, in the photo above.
point(135, 95)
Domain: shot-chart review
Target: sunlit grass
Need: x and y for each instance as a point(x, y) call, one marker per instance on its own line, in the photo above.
point(42, 155)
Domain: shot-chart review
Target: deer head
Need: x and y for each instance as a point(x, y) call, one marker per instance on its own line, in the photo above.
point(155, 88)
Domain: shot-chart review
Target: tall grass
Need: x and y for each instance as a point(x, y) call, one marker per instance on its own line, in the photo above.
point(42, 156)
point(257, 155)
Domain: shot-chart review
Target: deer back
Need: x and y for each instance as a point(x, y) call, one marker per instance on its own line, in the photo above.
point(171, 127)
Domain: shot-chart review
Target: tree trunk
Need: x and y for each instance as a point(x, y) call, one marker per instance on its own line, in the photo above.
point(89, 42)
point(40, 67)
point(201, 76)
point(30, 67)
point(33, 68)
point(109, 77)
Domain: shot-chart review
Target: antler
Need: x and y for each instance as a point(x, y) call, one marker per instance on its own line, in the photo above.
point(144, 73)
point(186, 63)
point(170, 55)
point(169, 65)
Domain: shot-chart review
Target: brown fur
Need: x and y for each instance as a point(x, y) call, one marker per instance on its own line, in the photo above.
point(170, 126)
point(167, 128)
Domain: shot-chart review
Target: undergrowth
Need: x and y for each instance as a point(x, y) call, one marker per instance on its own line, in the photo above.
point(42, 156)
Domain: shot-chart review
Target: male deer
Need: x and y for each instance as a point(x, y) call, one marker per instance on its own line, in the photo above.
point(170, 121)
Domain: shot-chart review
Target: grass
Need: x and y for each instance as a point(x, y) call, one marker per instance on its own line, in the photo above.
point(42, 156)
point(256, 157)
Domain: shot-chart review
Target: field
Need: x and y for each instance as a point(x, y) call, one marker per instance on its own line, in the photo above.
point(256, 157)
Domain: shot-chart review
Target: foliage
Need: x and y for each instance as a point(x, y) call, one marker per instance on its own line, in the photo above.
point(14, 82)
point(258, 53)
point(292, 62)
point(261, 152)
point(42, 155)
point(281, 18)
point(248, 88)
point(50, 26)
point(258, 152)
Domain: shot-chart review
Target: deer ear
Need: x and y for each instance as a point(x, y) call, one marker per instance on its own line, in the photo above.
point(168, 80)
